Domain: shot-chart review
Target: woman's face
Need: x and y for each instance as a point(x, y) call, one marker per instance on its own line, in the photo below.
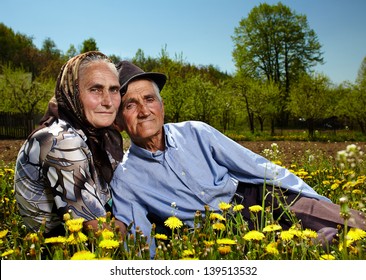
point(99, 93)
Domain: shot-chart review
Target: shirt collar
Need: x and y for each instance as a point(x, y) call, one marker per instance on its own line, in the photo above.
point(169, 143)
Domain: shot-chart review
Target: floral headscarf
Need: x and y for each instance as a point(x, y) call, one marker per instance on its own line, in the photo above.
point(66, 105)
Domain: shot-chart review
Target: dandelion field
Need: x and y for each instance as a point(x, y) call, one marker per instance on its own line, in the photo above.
point(215, 236)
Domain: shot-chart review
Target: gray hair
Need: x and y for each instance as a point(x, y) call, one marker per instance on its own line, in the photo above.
point(157, 90)
point(97, 57)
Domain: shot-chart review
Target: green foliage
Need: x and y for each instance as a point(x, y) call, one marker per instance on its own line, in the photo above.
point(312, 100)
point(89, 45)
point(273, 47)
point(21, 94)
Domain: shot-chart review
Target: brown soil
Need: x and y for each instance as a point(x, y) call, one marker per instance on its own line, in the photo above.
point(9, 150)
point(290, 149)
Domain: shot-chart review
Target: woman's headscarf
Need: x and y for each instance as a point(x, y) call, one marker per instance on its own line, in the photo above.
point(66, 105)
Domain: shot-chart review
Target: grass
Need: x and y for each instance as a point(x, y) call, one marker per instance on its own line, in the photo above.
point(215, 236)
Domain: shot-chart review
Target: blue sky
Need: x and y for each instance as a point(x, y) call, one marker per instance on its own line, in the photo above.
point(199, 30)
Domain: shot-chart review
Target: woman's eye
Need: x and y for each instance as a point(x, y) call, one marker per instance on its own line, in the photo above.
point(115, 91)
point(96, 90)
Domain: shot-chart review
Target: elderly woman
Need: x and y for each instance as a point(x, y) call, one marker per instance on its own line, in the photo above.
point(66, 164)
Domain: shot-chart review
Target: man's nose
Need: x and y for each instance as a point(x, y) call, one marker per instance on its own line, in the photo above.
point(144, 109)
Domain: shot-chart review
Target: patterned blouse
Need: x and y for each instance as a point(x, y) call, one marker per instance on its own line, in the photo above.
point(55, 175)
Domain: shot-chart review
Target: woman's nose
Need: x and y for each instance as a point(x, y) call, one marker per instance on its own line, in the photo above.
point(107, 100)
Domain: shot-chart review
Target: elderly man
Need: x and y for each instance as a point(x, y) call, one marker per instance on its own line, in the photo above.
point(191, 164)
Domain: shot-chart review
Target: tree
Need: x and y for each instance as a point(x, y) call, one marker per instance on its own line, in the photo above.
point(265, 102)
point(312, 100)
point(115, 58)
point(21, 94)
point(361, 74)
point(205, 98)
point(241, 84)
point(277, 44)
point(18, 49)
point(50, 59)
point(71, 52)
point(353, 102)
point(89, 45)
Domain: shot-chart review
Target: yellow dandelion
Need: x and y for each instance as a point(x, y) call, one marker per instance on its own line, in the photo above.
point(327, 257)
point(161, 236)
point(286, 235)
point(308, 233)
point(83, 255)
point(225, 241)
point(77, 238)
point(254, 235)
point(208, 243)
point(33, 237)
point(271, 248)
point(3, 233)
point(7, 253)
point(218, 226)
point(217, 216)
point(238, 208)
point(75, 225)
point(348, 244)
point(188, 253)
point(9, 171)
point(224, 206)
point(224, 250)
point(270, 228)
point(67, 217)
point(173, 223)
point(102, 219)
point(107, 234)
point(334, 186)
point(109, 244)
point(255, 208)
point(295, 232)
point(356, 234)
point(58, 239)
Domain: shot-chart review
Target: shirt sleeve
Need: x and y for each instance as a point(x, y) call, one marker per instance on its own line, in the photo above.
point(249, 167)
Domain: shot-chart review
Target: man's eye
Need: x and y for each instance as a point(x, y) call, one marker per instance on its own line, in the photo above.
point(130, 106)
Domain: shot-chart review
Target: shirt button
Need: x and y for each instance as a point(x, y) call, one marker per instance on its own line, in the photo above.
point(202, 193)
point(183, 173)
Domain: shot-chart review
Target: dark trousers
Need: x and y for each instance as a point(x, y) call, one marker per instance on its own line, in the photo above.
point(311, 213)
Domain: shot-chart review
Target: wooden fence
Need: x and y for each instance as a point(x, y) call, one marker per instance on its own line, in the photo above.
point(16, 125)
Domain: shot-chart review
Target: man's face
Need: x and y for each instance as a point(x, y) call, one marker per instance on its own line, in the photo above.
point(142, 111)
point(99, 94)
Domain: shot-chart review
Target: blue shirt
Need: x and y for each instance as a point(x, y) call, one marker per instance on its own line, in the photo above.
point(199, 166)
